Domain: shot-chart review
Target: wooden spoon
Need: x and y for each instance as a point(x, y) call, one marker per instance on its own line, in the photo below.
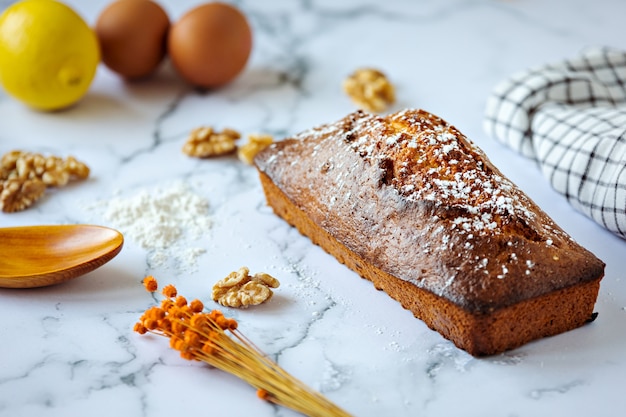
point(36, 256)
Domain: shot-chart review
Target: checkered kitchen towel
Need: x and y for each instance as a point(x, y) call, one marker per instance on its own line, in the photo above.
point(571, 118)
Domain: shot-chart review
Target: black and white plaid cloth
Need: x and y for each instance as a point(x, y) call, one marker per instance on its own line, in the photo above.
point(571, 118)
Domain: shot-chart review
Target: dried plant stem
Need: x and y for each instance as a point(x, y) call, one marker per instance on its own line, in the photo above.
point(215, 340)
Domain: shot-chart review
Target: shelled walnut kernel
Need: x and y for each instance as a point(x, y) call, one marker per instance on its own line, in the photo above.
point(240, 289)
point(204, 142)
point(24, 177)
point(17, 195)
point(256, 143)
point(370, 89)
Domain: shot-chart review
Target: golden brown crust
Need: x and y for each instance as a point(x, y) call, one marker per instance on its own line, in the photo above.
point(412, 205)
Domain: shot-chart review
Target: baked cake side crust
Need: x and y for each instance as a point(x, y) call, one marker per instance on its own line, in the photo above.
point(479, 334)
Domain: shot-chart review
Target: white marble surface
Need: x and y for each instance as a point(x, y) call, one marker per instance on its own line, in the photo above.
point(69, 350)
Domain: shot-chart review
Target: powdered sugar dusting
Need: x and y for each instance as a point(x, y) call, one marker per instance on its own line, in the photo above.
point(425, 159)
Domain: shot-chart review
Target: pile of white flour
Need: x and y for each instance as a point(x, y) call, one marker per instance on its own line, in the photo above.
point(163, 221)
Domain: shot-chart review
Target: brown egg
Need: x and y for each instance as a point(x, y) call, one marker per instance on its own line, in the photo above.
point(133, 37)
point(210, 45)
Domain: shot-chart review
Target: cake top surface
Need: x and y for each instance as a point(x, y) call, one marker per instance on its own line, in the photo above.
point(426, 159)
point(411, 194)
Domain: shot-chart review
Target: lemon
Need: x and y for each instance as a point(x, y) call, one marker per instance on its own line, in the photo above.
point(48, 54)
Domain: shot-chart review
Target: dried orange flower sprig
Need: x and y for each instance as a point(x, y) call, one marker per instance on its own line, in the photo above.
point(214, 339)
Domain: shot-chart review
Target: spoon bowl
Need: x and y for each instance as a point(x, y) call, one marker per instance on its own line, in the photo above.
point(37, 256)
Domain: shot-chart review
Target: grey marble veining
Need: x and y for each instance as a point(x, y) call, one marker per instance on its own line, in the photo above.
point(69, 350)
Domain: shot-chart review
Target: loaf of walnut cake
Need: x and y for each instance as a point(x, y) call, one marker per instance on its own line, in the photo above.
point(412, 205)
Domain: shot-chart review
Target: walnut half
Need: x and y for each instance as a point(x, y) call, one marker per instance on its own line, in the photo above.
point(370, 90)
point(240, 289)
point(256, 143)
point(24, 177)
point(18, 194)
point(204, 142)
